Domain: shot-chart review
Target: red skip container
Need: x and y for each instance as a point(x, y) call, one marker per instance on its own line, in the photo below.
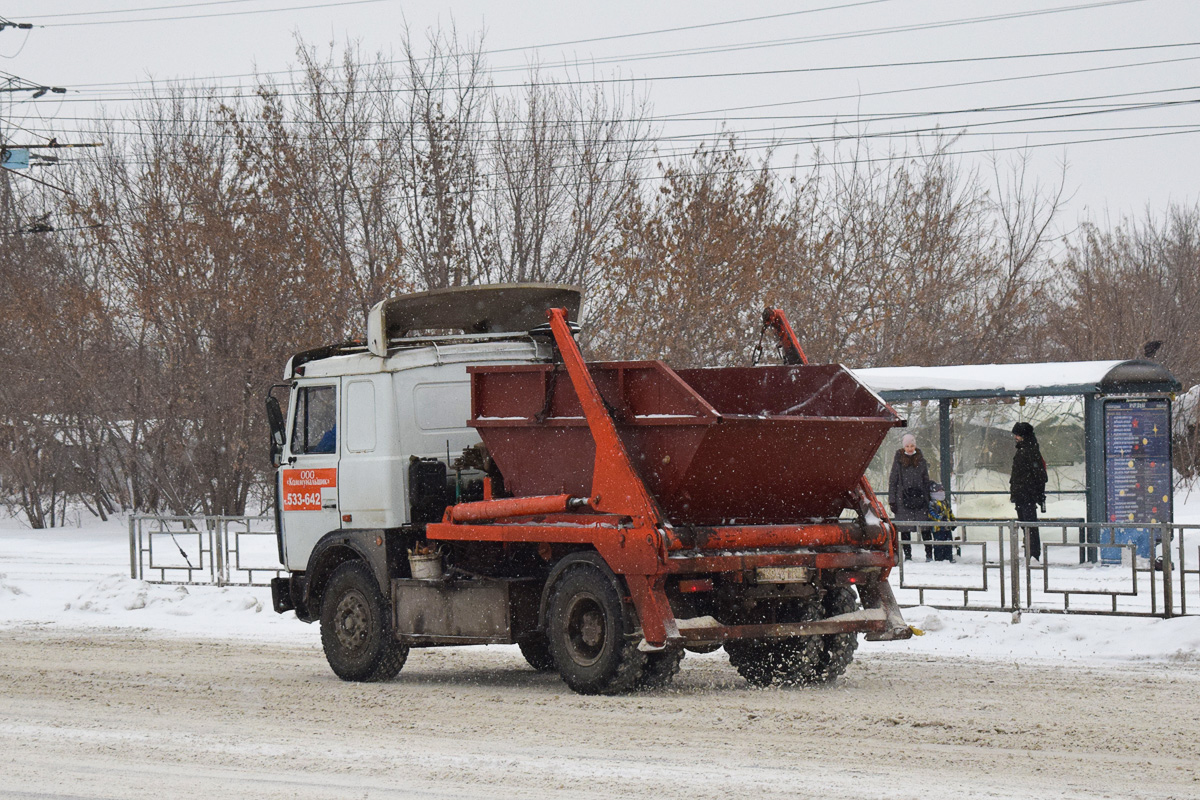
point(730, 445)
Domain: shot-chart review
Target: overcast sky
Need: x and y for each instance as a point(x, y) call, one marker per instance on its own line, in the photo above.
point(761, 67)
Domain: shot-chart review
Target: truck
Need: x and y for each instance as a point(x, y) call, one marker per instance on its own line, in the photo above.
point(465, 476)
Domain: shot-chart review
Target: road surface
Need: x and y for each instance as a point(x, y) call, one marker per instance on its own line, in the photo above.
point(115, 714)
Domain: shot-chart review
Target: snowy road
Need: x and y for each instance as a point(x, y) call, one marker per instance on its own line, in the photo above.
point(123, 714)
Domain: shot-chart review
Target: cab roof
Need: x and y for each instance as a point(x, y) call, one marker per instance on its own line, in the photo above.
point(484, 309)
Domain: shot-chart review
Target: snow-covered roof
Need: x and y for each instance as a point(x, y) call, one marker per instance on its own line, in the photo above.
point(986, 380)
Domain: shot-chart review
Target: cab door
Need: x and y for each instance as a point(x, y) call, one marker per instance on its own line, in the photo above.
point(308, 477)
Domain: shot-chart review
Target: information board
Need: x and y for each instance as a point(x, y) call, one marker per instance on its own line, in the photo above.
point(1137, 460)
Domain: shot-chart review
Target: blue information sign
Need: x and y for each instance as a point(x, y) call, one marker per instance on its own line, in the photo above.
point(1137, 460)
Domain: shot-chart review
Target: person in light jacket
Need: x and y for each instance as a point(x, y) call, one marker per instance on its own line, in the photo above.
point(1027, 484)
point(908, 489)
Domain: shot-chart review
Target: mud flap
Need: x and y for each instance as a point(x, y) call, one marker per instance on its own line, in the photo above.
point(880, 596)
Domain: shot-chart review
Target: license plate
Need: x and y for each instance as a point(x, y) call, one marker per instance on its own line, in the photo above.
point(782, 574)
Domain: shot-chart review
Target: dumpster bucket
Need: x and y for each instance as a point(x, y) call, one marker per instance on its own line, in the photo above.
point(732, 445)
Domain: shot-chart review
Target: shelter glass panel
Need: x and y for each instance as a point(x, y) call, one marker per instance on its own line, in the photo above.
point(981, 435)
point(922, 416)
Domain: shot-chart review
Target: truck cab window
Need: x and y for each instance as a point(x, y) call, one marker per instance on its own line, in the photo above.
point(315, 427)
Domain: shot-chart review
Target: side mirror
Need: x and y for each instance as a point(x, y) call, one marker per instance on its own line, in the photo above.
point(276, 425)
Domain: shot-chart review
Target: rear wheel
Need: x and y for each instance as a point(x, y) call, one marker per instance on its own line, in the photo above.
point(837, 649)
point(661, 668)
point(587, 626)
point(794, 661)
point(356, 628)
point(537, 652)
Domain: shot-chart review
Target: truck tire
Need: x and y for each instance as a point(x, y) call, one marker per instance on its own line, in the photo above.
point(537, 652)
point(837, 649)
point(660, 669)
point(794, 661)
point(356, 628)
point(587, 626)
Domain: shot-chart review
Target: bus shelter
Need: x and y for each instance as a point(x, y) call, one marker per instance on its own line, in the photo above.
point(1104, 428)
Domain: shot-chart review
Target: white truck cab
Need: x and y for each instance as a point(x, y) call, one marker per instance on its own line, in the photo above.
point(364, 419)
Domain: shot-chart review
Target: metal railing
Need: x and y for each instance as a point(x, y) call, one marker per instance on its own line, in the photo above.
point(1152, 569)
point(218, 550)
point(1142, 569)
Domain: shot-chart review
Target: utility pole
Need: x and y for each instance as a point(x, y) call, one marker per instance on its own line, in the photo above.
point(18, 158)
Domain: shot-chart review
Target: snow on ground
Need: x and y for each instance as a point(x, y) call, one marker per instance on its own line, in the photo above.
point(78, 578)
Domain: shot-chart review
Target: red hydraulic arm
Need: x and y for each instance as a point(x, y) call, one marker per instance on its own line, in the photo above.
point(775, 319)
point(617, 488)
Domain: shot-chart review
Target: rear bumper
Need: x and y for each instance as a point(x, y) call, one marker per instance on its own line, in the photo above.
point(880, 619)
point(738, 562)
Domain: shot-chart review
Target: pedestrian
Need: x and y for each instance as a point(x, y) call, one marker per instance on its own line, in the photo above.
point(1027, 484)
point(940, 511)
point(908, 489)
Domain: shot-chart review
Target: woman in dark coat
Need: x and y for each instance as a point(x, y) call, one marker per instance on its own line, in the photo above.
point(908, 488)
point(1027, 484)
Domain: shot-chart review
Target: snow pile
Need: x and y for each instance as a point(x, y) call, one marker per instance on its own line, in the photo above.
point(1032, 636)
point(117, 593)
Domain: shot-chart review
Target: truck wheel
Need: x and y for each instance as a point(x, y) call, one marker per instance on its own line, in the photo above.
point(537, 652)
point(660, 668)
point(587, 627)
point(356, 628)
point(780, 662)
point(837, 649)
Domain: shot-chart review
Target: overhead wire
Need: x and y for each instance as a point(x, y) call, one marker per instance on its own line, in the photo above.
point(836, 37)
point(692, 116)
point(739, 73)
point(1059, 103)
point(169, 7)
point(307, 7)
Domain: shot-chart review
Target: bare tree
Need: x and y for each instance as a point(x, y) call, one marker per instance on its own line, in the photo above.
point(684, 281)
point(563, 159)
point(220, 281)
point(439, 175)
point(53, 332)
point(1132, 283)
point(910, 260)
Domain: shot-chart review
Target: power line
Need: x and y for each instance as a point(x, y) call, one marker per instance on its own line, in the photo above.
point(834, 37)
point(702, 76)
point(209, 16)
point(172, 7)
point(681, 28)
point(522, 48)
point(1059, 103)
point(956, 85)
point(883, 65)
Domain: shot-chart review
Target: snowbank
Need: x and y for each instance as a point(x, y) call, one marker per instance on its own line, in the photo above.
point(77, 578)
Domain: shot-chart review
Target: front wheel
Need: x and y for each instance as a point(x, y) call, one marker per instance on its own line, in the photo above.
point(356, 628)
point(587, 628)
point(537, 652)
